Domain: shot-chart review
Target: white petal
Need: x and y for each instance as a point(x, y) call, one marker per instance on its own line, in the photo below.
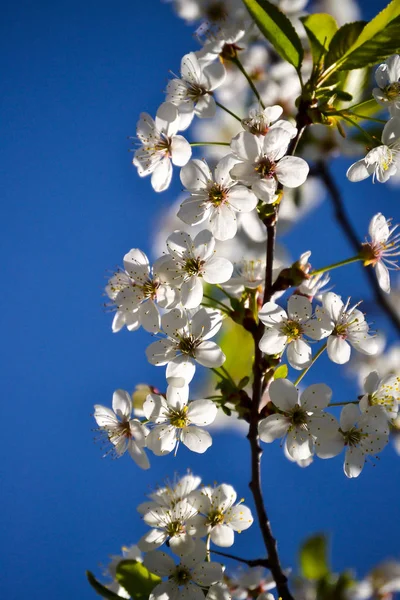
point(149, 316)
point(222, 535)
point(299, 354)
point(283, 394)
point(207, 573)
point(160, 563)
point(196, 439)
point(353, 462)
point(195, 175)
point(177, 398)
point(217, 270)
point(292, 171)
point(192, 292)
point(193, 211)
point(154, 407)
point(391, 131)
point(181, 544)
point(349, 416)
point(209, 354)
point(383, 277)
point(204, 245)
point(273, 427)
point(316, 397)
point(205, 107)
point(242, 199)
point(167, 118)
point(299, 308)
point(358, 171)
point(138, 455)
point(273, 341)
point(271, 313)
point(223, 169)
point(181, 151)
point(299, 444)
point(239, 517)
point(122, 404)
point(215, 75)
point(162, 439)
point(265, 189)
point(160, 352)
point(328, 447)
point(223, 222)
point(338, 350)
point(137, 265)
point(378, 228)
point(333, 305)
point(151, 540)
point(105, 417)
point(202, 412)
point(162, 175)
point(246, 146)
point(180, 371)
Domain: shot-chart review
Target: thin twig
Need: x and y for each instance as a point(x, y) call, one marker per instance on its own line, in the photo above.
point(250, 562)
point(351, 235)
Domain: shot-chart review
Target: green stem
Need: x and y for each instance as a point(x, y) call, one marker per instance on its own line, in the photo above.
point(228, 111)
point(336, 265)
point(365, 133)
point(226, 308)
point(209, 143)
point(229, 376)
point(369, 118)
point(300, 377)
point(343, 403)
point(217, 285)
point(241, 68)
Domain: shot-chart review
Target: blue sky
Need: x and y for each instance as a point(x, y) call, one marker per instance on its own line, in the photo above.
point(75, 77)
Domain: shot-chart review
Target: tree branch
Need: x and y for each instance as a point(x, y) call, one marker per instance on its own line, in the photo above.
point(343, 219)
point(250, 562)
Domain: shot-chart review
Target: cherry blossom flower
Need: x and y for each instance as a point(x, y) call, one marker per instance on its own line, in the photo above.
point(160, 146)
point(380, 162)
point(382, 249)
point(300, 420)
point(263, 164)
point(168, 495)
point(186, 579)
point(173, 524)
point(251, 583)
point(361, 433)
point(177, 420)
point(219, 516)
point(216, 199)
point(124, 433)
point(192, 94)
point(137, 291)
point(288, 329)
point(387, 77)
point(383, 392)
point(259, 122)
point(190, 261)
point(346, 327)
point(248, 274)
point(187, 342)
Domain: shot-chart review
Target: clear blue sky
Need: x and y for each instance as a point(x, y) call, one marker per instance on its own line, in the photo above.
point(75, 77)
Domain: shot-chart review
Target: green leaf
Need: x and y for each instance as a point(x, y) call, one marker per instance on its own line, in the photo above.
point(136, 579)
point(281, 372)
point(313, 558)
point(343, 39)
point(278, 30)
point(320, 29)
point(101, 589)
point(238, 363)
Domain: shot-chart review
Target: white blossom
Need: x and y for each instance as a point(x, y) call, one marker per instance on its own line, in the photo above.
point(387, 77)
point(178, 420)
point(382, 249)
point(187, 342)
point(137, 291)
point(346, 327)
point(186, 579)
point(216, 199)
point(300, 420)
point(263, 164)
point(383, 392)
point(160, 146)
point(168, 495)
point(172, 524)
point(190, 261)
point(219, 516)
point(260, 121)
point(124, 433)
point(192, 94)
point(288, 329)
point(361, 434)
point(380, 162)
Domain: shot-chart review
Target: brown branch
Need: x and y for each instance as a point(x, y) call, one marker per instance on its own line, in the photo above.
point(343, 219)
point(250, 562)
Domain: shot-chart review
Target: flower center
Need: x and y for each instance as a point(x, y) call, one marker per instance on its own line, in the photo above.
point(193, 266)
point(298, 416)
point(195, 91)
point(163, 144)
point(392, 90)
point(371, 253)
point(292, 329)
point(188, 344)
point(217, 195)
point(215, 517)
point(178, 418)
point(181, 576)
point(175, 528)
point(216, 11)
point(352, 437)
point(265, 167)
point(150, 288)
point(124, 429)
